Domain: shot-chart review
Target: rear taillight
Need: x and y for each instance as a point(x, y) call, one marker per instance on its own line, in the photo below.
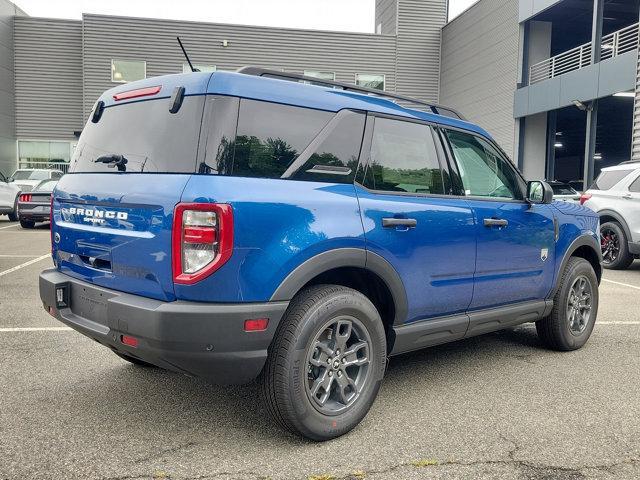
point(202, 240)
point(584, 197)
point(25, 197)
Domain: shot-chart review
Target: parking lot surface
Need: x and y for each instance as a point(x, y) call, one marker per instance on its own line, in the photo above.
point(496, 406)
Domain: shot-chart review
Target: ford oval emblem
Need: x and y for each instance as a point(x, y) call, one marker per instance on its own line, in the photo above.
point(56, 237)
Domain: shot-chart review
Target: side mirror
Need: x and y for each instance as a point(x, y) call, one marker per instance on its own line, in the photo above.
point(539, 192)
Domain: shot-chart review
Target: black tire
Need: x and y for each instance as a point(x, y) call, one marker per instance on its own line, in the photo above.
point(560, 330)
point(27, 223)
point(289, 376)
point(13, 216)
point(135, 361)
point(615, 247)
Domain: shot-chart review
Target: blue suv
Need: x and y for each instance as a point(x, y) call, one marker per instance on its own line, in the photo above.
point(237, 226)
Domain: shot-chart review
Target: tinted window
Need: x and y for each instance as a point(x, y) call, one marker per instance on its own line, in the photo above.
point(635, 186)
point(483, 170)
point(335, 157)
point(149, 137)
point(403, 159)
point(608, 179)
point(270, 137)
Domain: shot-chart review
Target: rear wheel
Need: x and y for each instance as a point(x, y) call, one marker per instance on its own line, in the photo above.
point(135, 361)
point(575, 307)
point(326, 363)
point(615, 247)
point(27, 223)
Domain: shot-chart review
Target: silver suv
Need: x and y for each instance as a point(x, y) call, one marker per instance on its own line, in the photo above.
point(615, 196)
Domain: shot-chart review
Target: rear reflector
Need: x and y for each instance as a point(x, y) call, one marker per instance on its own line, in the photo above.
point(256, 324)
point(584, 197)
point(140, 92)
point(129, 341)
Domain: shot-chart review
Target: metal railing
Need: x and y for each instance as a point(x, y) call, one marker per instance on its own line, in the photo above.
point(613, 44)
point(63, 166)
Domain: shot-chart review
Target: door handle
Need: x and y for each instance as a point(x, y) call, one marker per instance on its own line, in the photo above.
point(495, 222)
point(626, 196)
point(399, 222)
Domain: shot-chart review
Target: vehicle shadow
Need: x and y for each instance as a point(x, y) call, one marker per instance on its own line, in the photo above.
point(163, 403)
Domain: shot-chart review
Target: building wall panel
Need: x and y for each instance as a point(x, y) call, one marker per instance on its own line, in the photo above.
point(479, 67)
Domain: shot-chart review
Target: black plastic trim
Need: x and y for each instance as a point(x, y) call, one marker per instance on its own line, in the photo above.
point(490, 320)
point(345, 257)
point(581, 241)
point(634, 248)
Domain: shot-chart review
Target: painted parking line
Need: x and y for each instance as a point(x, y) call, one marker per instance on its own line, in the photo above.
point(614, 322)
point(25, 264)
point(621, 284)
point(19, 256)
point(10, 226)
point(35, 329)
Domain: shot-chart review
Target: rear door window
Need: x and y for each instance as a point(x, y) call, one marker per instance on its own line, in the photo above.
point(403, 158)
point(146, 134)
point(608, 179)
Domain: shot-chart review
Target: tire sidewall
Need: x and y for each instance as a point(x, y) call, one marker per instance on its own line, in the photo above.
point(579, 268)
point(315, 424)
point(623, 254)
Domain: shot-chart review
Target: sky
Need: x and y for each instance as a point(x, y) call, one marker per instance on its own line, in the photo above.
point(355, 15)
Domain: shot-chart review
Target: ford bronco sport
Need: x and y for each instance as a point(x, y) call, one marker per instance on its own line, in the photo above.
point(234, 226)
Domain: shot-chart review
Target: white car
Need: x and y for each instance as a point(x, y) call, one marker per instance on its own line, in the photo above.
point(564, 192)
point(615, 196)
point(27, 178)
point(9, 193)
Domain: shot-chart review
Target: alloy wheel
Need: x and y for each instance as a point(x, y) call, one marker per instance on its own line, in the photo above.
point(338, 364)
point(579, 305)
point(610, 245)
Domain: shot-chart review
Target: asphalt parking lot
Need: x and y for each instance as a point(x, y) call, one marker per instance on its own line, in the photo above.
point(497, 406)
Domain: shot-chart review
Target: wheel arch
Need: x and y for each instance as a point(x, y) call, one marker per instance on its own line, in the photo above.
point(365, 271)
point(608, 215)
point(587, 247)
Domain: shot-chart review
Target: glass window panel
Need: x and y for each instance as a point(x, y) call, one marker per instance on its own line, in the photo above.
point(123, 71)
point(370, 81)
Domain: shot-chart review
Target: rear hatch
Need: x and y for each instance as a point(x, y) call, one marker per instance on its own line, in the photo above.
point(113, 213)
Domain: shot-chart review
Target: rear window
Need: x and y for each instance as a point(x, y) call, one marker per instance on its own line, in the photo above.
point(146, 134)
point(31, 175)
point(608, 179)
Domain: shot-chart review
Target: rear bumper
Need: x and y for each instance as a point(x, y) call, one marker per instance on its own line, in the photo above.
point(36, 213)
point(199, 339)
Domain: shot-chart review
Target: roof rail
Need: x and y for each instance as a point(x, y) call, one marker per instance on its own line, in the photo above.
point(294, 77)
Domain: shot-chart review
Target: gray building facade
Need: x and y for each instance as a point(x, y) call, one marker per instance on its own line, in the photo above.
point(83, 58)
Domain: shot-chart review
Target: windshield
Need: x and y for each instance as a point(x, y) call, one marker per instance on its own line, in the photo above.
point(30, 175)
point(563, 190)
point(141, 137)
point(46, 186)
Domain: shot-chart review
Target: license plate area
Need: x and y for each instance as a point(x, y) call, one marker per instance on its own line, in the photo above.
point(89, 303)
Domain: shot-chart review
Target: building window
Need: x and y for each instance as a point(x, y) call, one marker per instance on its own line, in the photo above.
point(123, 71)
point(202, 68)
point(321, 75)
point(370, 80)
point(44, 154)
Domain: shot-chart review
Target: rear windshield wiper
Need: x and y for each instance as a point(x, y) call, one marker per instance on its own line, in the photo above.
point(113, 160)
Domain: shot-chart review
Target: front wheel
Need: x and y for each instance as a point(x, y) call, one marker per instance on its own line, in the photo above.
point(575, 307)
point(326, 363)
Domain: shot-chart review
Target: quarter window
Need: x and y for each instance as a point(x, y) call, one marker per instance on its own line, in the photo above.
point(270, 137)
point(608, 179)
point(635, 186)
point(403, 159)
point(123, 71)
point(370, 81)
point(483, 170)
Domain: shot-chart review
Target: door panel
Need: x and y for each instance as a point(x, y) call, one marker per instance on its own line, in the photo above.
point(435, 259)
point(515, 263)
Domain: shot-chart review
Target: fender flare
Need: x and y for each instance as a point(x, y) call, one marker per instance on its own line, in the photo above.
point(346, 257)
point(619, 219)
point(582, 241)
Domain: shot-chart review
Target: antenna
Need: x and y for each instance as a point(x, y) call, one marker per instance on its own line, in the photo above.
point(193, 69)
